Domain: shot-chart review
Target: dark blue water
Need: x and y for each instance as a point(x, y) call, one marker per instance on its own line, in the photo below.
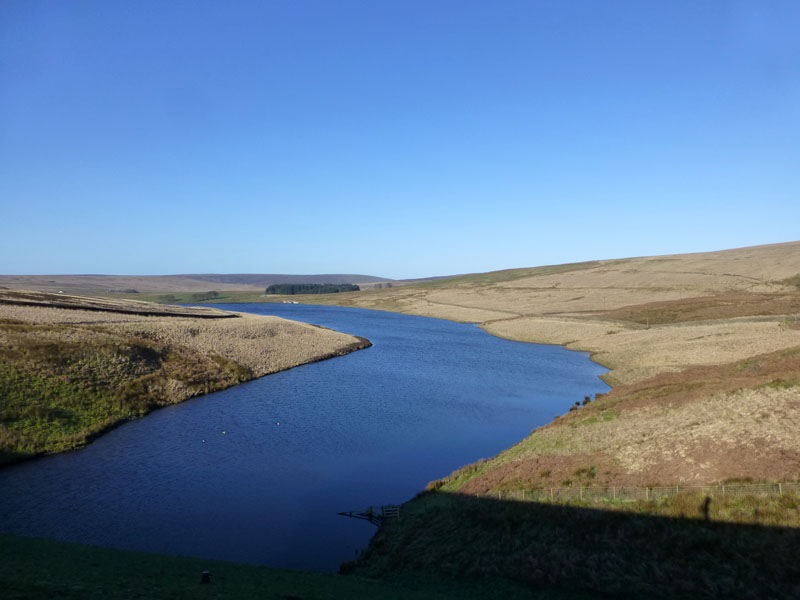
point(369, 428)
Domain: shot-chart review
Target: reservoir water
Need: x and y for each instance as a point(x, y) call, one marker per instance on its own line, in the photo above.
point(256, 473)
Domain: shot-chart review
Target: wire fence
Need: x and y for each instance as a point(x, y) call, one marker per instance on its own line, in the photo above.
point(629, 494)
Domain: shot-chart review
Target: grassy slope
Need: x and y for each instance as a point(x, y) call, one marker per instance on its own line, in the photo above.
point(645, 551)
point(682, 334)
point(61, 385)
point(705, 359)
point(32, 569)
point(68, 374)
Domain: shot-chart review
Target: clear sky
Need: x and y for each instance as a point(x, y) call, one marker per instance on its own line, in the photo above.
point(400, 139)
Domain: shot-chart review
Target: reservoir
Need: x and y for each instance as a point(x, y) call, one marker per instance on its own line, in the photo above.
point(256, 473)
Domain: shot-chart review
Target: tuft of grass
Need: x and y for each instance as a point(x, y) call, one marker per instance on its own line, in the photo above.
point(589, 472)
point(795, 281)
point(780, 384)
point(458, 477)
point(604, 416)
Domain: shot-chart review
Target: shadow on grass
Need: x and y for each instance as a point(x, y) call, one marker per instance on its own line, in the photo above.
point(621, 554)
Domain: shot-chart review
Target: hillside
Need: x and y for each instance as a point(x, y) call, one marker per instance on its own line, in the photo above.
point(263, 280)
point(683, 335)
point(704, 352)
point(125, 285)
point(72, 367)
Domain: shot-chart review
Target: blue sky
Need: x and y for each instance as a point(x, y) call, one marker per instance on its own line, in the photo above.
point(401, 139)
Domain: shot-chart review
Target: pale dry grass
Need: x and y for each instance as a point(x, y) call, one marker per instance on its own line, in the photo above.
point(260, 343)
point(659, 275)
point(47, 314)
point(749, 434)
point(563, 307)
point(635, 353)
point(599, 286)
point(263, 344)
point(425, 307)
point(102, 284)
point(700, 434)
point(117, 306)
point(548, 300)
point(702, 441)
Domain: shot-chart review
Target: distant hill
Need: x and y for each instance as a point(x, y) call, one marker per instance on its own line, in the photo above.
point(127, 284)
point(263, 280)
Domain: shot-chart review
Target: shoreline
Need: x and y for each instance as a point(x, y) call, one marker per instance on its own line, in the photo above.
point(69, 375)
point(363, 344)
point(658, 374)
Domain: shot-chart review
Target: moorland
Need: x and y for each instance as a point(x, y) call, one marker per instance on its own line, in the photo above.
point(704, 359)
point(703, 352)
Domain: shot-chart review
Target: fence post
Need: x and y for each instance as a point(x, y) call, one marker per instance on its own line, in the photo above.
point(523, 494)
point(551, 494)
point(780, 489)
point(614, 492)
point(647, 493)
